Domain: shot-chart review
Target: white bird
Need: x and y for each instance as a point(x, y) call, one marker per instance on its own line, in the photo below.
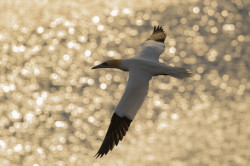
point(141, 69)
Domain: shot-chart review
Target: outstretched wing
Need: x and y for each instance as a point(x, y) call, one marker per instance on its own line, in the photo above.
point(154, 46)
point(126, 110)
point(134, 95)
point(116, 131)
point(158, 34)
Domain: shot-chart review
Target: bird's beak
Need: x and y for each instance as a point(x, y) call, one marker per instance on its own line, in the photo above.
point(99, 66)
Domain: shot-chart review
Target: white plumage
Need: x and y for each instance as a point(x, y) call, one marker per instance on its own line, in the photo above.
point(141, 70)
point(151, 50)
point(134, 95)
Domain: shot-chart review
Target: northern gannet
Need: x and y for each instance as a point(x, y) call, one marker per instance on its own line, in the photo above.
point(141, 69)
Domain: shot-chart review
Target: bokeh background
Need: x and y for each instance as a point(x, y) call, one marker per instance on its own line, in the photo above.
point(54, 110)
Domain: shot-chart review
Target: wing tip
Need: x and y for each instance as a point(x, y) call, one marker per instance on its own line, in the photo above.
point(158, 34)
point(112, 139)
point(98, 155)
point(158, 28)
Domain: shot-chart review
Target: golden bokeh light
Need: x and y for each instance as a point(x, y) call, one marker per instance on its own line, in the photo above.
point(54, 110)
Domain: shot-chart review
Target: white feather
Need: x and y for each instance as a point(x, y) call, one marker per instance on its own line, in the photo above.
point(134, 95)
point(151, 50)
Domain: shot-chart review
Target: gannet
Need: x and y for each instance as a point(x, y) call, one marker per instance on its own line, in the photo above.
point(141, 69)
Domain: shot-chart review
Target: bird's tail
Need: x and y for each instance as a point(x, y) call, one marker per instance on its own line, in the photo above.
point(179, 72)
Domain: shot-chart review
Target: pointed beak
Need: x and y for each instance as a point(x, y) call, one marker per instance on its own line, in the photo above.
point(99, 66)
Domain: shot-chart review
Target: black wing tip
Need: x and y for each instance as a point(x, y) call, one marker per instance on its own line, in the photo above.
point(101, 153)
point(116, 131)
point(158, 34)
point(158, 28)
point(98, 155)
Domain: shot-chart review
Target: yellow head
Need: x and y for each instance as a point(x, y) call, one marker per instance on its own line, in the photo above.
point(113, 63)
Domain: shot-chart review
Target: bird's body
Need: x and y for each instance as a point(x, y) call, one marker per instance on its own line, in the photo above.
point(141, 69)
point(153, 68)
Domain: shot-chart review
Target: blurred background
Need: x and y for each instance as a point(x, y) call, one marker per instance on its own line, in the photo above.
point(54, 110)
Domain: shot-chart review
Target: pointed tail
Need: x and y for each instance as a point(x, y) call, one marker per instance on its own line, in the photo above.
point(179, 72)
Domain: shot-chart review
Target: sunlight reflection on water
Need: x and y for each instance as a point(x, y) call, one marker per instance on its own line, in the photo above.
point(55, 110)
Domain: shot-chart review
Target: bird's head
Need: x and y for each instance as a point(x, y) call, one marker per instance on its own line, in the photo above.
point(113, 63)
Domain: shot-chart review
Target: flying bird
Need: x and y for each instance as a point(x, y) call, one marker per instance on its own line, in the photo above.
point(141, 68)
